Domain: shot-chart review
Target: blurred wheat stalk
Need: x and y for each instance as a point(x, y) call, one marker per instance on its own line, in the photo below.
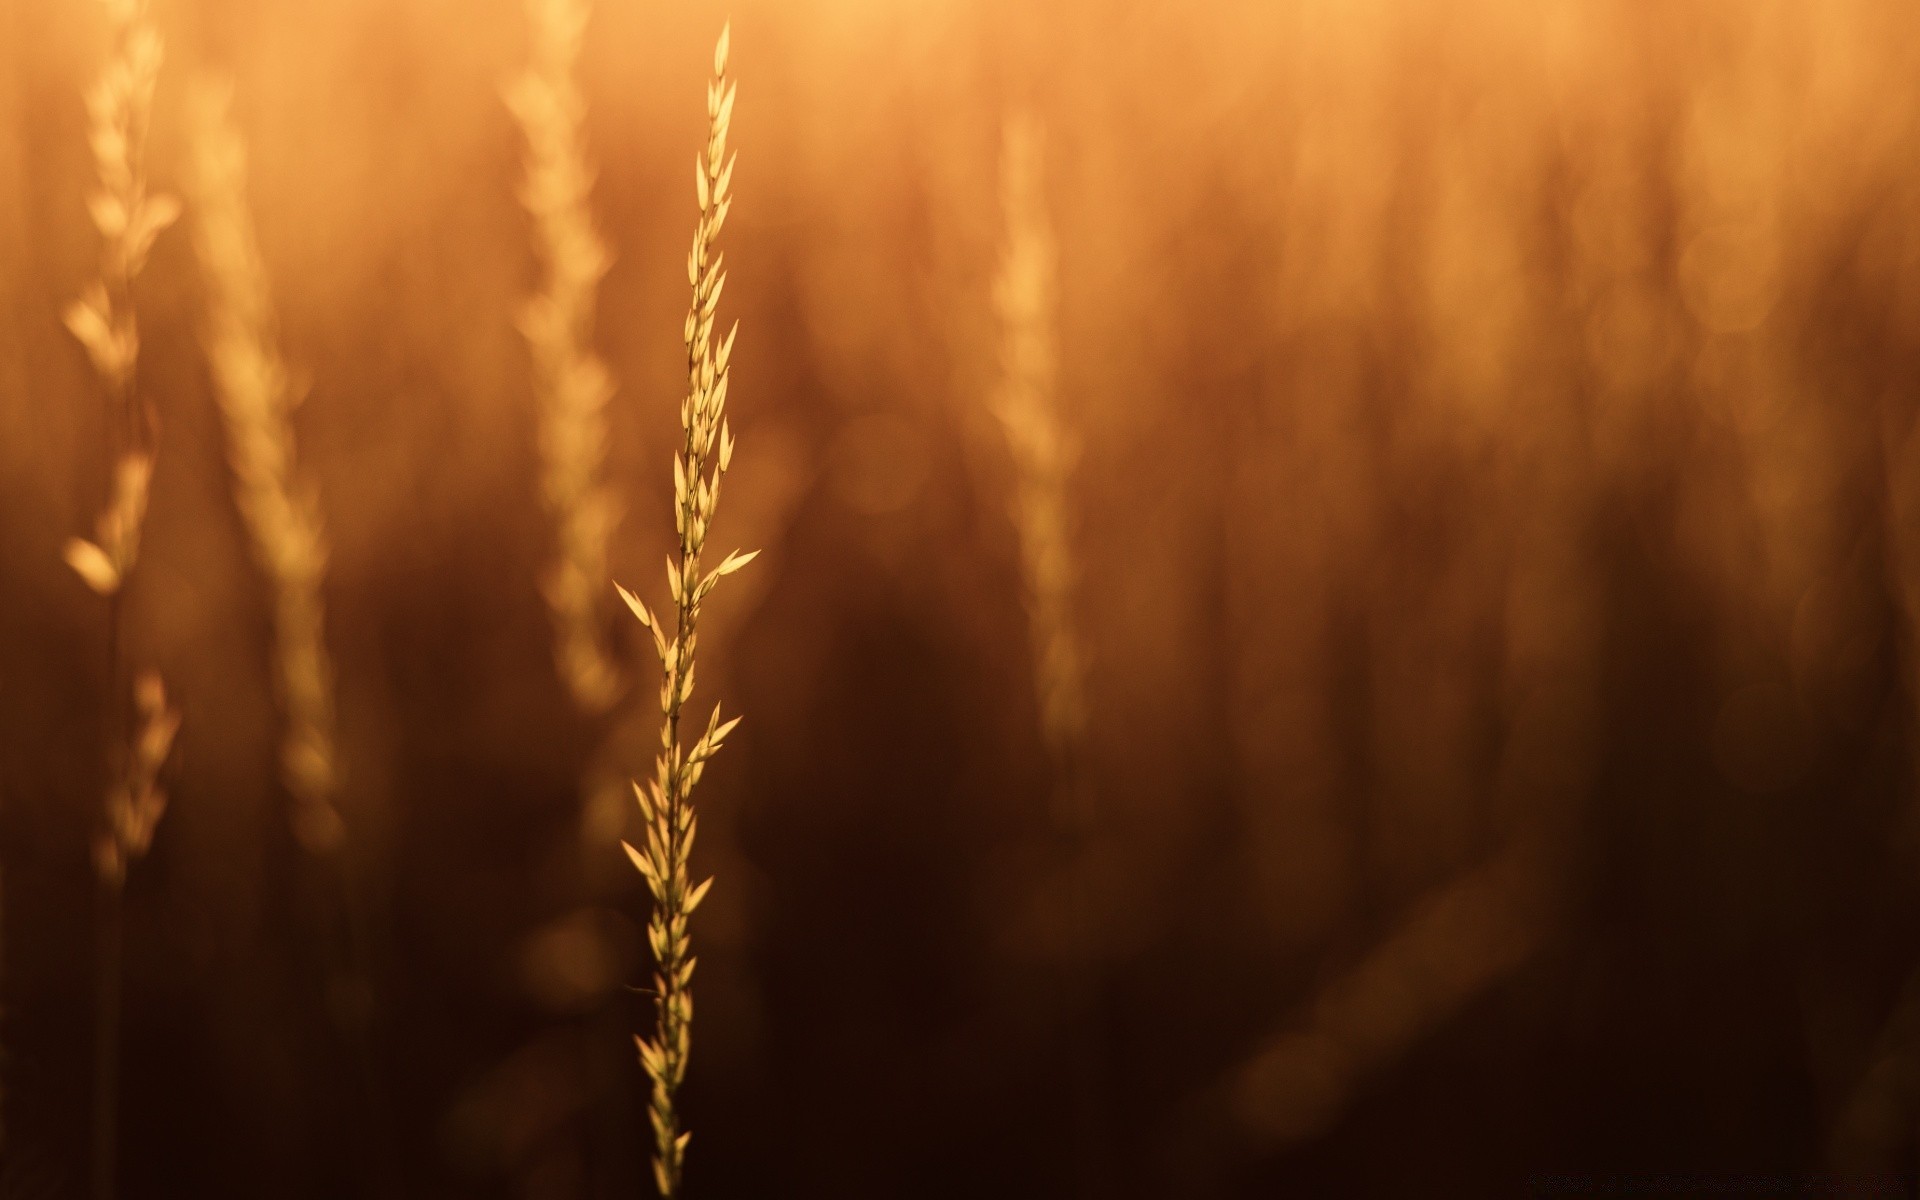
point(1044, 451)
point(129, 219)
point(257, 399)
point(572, 385)
point(571, 382)
point(666, 801)
point(1455, 944)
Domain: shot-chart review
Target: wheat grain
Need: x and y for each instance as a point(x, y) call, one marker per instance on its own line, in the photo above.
point(257, 398)
point(1044, 451)
point(571, 383)
point(666, 801)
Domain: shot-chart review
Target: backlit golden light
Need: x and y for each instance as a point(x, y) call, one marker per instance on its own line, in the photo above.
point(1322, 598)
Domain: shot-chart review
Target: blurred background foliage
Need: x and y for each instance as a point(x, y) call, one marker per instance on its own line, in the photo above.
point(1499, 528)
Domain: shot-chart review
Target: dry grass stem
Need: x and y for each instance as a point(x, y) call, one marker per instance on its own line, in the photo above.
point(666, 801)
point(257, 399)
point(571, 383)
point(1044, 450)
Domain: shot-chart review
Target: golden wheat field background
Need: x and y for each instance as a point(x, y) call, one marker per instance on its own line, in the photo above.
point(1338, 607)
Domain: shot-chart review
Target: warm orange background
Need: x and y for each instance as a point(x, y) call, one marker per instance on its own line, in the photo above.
point(1500, 539)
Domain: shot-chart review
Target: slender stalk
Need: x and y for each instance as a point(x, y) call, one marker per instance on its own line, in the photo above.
point(1044, 449)
point(666, 802)
point(571, 383)
point(257, 397)
point(133, 809)
point(108, 924)
point(119, 104)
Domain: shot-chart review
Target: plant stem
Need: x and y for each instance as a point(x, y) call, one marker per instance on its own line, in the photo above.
point(106, 1037)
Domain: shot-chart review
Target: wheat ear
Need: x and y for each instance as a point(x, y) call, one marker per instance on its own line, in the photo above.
point(666, 801)
point(129, 218)
point(571, 383)
point(257, 399)
point(1044, 451)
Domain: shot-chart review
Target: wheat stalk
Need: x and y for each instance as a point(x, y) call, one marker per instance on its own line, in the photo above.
point(257, 399)
point(257, 396)
point(571, 383)
point(666, 801)
point(129, 219)
point(1044, 451)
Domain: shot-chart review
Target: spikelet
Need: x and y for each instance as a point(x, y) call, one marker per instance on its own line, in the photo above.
point(571, 383)
point(136, 803)
point(257, 398)
point(119, 104)
point(665, 801)
point(1043, 449)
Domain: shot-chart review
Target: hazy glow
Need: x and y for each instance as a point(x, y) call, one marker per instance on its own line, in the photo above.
point(1495, 573)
